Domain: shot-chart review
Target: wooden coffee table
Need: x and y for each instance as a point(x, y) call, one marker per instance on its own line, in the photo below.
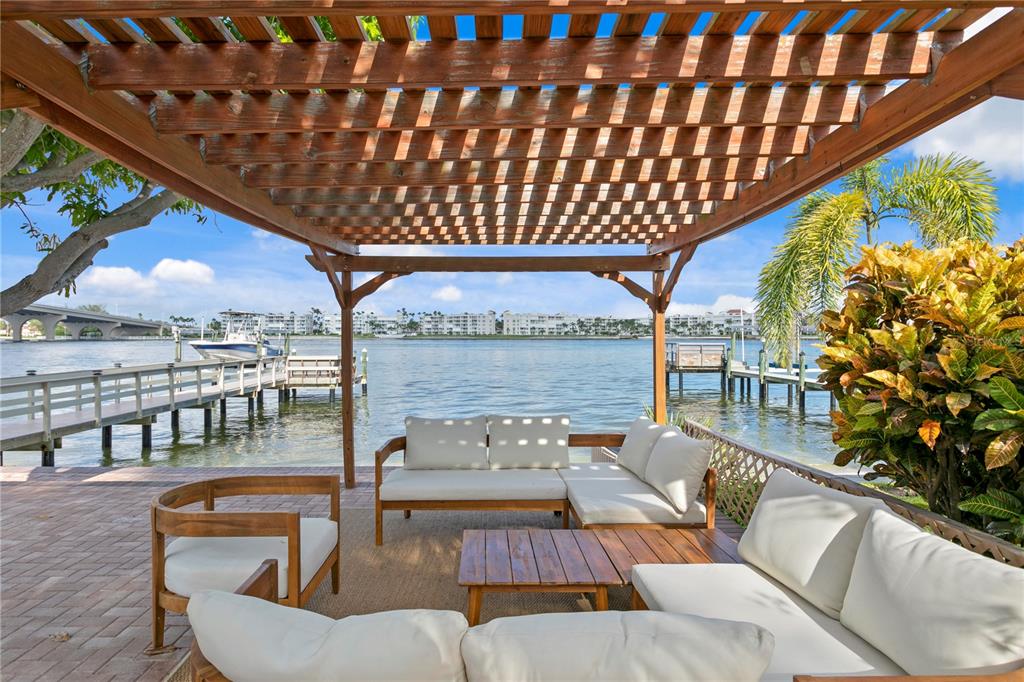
point(541, 560)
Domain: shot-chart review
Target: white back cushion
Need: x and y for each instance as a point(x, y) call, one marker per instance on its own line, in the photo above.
point(616, 645)
point(528, 442)
point(457, 443)
point(636, 449)
point(934, 607)
point(677, 466)
point(806, 536)
point(252, 640)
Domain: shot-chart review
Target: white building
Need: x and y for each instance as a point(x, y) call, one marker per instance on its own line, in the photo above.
point(290, 323)
point(458, 324)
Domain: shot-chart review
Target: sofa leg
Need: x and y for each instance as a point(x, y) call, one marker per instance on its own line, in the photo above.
point(565, 514)
point(336, 572)
point(407, 513)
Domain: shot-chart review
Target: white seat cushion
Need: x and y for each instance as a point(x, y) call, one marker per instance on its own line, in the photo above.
point(806, 640)
point(615, 645)
point(198, 563)
point(934, 607)
point(252, 640)
point(507, 484)
point(636, 448)
point(528, 442)
point(805, 536)
point(605, 493)
point(457, 443)
point(677, 466)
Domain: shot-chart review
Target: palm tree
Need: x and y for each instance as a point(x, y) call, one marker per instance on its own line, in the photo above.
point(944, 198)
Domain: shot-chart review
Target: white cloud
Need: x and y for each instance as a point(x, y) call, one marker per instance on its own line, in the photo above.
point(722, 303)
point(992, 132)
point(119, 281)
point(182, 272)
point(448, 294)
point(504, 279)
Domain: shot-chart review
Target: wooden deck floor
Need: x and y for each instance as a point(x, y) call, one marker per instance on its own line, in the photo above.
point(74, 562)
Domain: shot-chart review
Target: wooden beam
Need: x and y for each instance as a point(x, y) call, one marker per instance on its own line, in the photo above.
point(599, 107)
point(629, 285)
point(373, 284)
point(684, 257)
point(69, 9)
point(507, 144)
point(499, 173)
point(468, 63)
point(348, 414)
point(962, 80)
point(110, 124)
point(407, 264)
point(321, 261)
point(562, 208)
point(488, 194)
point(1010, 84)
point(13, 95)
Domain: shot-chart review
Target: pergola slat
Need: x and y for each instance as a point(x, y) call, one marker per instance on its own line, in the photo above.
point(562, 208)
point(558, 108)
point(507, 145)
point(536, 219)
point(32, 9)
point(486, 194)
point(499, 173)
point(463, 63)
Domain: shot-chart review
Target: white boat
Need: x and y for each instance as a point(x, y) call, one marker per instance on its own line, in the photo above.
point(243, 339)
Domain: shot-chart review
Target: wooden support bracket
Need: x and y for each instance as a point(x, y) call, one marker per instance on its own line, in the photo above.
point(685, 254)
point(630, 286)
point(321, 260)
point(372, 285)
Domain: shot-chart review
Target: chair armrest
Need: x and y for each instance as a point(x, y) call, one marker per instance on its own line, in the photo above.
point(262, 583)
point(396, 444)
point(596, 440)
point(227, 524)
point(273, 485)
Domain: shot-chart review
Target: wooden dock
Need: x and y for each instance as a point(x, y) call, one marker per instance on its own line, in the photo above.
point(706, 358)
point(38, 410)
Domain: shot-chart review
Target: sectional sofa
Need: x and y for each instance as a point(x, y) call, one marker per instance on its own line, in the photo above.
point(522, 463)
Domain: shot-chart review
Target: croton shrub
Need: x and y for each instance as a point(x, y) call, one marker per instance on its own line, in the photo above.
point(926, 360)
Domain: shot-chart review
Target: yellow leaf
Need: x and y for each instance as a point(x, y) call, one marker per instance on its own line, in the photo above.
point(929, 432)
point(957, 402)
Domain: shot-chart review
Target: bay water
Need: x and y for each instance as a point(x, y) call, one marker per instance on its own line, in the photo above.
point(603, 384)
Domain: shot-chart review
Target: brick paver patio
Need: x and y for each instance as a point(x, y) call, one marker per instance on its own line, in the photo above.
point(75, 566)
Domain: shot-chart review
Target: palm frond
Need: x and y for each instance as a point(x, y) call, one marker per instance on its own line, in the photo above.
point(831, 233)
point(947, 198)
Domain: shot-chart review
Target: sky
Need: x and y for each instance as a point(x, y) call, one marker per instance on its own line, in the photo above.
point(176, 266)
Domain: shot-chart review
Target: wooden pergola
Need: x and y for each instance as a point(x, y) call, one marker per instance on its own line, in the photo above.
point(691, 119)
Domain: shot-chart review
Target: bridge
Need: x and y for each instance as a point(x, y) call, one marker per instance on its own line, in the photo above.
point(77, 321)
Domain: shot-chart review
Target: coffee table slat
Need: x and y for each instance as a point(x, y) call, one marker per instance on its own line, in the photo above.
point(689, 552)
point(524, 564)
point(642, 554)
point(616, 551)
point(601, 566)
point(660, 546)
point(471, 563)
point(498, 562)
point(548, 564)
point(716, 554)
point(573, 562)
point(723, 541)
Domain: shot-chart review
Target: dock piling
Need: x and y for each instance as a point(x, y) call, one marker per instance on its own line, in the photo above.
point(802, 385)
point(47, 455)
point(762, 385)
point(107, 438)
point(207, 420)
point(147, 436)
point(175, 422)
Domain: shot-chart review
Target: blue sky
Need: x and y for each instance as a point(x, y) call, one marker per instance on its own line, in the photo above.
point(176, 266)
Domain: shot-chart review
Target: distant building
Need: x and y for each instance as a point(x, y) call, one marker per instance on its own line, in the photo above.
point(290, 323)
point(458, 324)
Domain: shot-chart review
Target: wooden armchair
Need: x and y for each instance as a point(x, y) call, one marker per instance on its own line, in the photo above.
point(212, 528)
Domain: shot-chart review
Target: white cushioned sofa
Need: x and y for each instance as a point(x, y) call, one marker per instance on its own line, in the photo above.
point(522, 463)
point(849, 588)
point(243, 638)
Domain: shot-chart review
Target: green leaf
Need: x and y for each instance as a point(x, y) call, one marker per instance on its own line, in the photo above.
point(870, 408)
point(1005, 393)
point(998, 420)
point(1008, 500)
point(1004, 448)
point(987, 505)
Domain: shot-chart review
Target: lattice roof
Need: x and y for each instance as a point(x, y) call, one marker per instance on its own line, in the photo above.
point(521, 127)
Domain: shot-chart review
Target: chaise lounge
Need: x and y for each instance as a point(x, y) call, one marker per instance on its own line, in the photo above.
point(522, 464)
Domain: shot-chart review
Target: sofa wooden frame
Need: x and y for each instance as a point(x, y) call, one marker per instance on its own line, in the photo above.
point(167, 518)
point(563, 506)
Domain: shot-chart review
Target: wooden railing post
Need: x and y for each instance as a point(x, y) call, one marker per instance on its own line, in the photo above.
point(138, 394)
point(97, 397)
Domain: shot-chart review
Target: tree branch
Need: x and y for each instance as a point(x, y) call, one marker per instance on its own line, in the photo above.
point(72, 256)
point(18, 135)
point(49, 174)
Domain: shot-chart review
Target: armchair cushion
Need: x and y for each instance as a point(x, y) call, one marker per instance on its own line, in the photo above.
point(636, 448)
point(605, 493)
point(459, 443)
point(223, 563)
point(529, 442)
point(512, 484)
point(934, 607)
point(250, 639)
point(677, 466)
point(615, 645)
point(806, 536)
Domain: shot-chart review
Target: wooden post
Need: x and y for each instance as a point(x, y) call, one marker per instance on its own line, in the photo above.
point(107, 437)
point(347, 399)
point(175, 422)
point(207, 420)
point(223, 408)
point(762, 381)
point(802, 396)
point(658, 333)
point(147, 436)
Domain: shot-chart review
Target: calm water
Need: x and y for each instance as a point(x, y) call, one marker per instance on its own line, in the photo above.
point(602, 384)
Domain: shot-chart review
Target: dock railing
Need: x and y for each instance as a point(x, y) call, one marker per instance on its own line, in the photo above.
point(695, 356)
